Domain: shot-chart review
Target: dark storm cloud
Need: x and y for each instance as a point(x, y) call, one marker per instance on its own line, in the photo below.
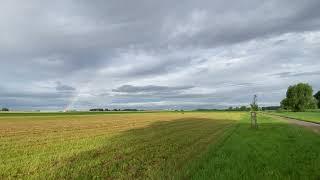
point(85, 53)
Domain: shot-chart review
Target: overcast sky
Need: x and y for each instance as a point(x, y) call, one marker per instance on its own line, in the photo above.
point(146, 54)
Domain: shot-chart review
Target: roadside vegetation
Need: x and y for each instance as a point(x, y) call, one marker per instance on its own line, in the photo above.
point(305, 116)
point(299, 98)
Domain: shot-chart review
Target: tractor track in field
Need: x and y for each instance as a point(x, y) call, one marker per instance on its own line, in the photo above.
point(314, 126)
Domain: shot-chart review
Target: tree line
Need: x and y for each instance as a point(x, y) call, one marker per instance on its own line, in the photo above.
point(101, 109)
point(241, 108)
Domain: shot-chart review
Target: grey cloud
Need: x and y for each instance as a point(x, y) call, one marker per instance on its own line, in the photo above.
point(64, 88)
point(152, 91)
point(34, 100)
point(296, 74)
point(30, 95)
point(149, 88)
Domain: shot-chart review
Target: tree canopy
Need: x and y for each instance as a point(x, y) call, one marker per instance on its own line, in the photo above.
point(299, 97)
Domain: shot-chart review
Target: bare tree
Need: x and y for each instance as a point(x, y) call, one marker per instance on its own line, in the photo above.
point(254, 104)
point(254, 108)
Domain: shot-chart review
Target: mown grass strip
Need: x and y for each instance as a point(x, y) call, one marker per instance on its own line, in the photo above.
point(276, 150)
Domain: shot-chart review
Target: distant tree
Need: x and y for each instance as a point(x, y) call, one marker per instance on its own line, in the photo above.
point(96, 109)
point(254, 104)
point(130, 109)
point(4, 109)
point(243, 108)
point(299, 98)
point(317, 96)
point(270, 108)
point(230, 108)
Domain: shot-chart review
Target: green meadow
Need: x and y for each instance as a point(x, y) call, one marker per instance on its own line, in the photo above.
point(155, 145)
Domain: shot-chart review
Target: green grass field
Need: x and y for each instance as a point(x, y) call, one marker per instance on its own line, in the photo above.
point(306, 116)
point(166, 145)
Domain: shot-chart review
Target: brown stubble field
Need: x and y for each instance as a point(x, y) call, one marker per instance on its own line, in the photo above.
point(61, 146)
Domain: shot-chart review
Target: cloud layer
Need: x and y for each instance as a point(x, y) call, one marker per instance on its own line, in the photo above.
point(155, 54)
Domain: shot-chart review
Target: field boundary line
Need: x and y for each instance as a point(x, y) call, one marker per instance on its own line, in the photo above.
point(315, 127)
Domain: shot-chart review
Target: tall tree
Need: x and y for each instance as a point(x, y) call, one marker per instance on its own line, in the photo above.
point(299, 98)
point(317, 96)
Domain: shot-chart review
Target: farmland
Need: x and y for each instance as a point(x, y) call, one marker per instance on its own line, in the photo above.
point(160, 145)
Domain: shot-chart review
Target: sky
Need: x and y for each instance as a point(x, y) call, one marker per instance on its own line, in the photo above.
point(147, 54)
